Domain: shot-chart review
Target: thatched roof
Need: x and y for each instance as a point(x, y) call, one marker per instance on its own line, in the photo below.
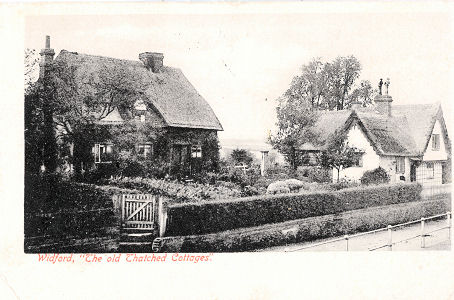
point(168, 92)
point(405, 133)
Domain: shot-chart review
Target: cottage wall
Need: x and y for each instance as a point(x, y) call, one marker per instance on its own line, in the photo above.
point(440, 154)
point(429, 172)
point(389, 164)
point(357, 138)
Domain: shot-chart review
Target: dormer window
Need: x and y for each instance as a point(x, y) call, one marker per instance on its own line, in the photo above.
point(142, 118)
point(435, 142)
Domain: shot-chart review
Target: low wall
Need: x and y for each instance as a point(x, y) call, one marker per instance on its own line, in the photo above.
point(307, 229)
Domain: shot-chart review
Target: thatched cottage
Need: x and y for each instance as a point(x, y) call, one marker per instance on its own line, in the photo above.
point(409, 141)
point(170, 124)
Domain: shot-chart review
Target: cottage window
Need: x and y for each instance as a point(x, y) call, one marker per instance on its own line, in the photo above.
point(400, 165)
point(103, 153)
point(145, 150)
point(358, 159)
point(435, 142)
point(196, 151)
point(430, 170)
point(142, 118)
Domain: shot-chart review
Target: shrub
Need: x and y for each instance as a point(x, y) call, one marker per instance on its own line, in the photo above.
point(296, 231)
point(178, 191)
point(375, 176)
point(278, 187)
point(343, 184)
point(197, 218)
point(315, 174)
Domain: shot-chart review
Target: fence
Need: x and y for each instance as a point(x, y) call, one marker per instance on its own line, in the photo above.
point(389, 245)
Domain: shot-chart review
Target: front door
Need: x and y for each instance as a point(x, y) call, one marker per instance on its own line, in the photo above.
point(413, 172)
point(180, 160)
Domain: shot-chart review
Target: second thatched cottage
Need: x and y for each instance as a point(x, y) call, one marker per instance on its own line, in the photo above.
point(410, 142)
point(141, 112)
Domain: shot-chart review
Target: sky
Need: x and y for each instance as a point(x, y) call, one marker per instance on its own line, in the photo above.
point(240, 63)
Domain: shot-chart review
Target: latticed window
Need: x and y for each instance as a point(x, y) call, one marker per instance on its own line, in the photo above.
point(196, 151)
point(400, 165)
point(358, 159)
point(145, 150)
point(435, 142)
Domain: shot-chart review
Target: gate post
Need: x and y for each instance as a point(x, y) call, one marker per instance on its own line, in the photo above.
point(162, 216)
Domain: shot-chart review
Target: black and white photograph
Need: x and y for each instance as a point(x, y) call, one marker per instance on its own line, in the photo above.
point(226, 150)
point(211, 134)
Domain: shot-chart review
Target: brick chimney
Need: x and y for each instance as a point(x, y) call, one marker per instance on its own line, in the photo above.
point(152, 61)
point(383, 104)
point(47, 56)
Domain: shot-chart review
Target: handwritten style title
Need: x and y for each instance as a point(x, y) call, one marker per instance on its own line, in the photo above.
point(125, 258)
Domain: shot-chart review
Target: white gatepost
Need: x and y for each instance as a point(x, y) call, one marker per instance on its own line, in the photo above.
point(264, 162)
point(162, 216)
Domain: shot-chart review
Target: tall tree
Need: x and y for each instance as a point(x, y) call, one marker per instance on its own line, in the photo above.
point(319, 86)
point(81, 100)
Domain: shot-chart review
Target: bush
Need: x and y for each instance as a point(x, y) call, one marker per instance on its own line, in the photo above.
point(297, 231)
point(376, 176)
point(178, 191)
point(343, 183)
point(198, 218)
point(315, 174)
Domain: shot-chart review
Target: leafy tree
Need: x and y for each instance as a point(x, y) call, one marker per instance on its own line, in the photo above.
point(80, 103)
point(320, 86)
point(241, 156)
point(338, 155)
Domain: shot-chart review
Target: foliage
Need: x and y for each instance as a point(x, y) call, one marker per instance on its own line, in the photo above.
point(339, 154)
point(31, 68)
point(375, 176)
point(307, 229)
point(241, 156)
point(315, 174)
point(177, 191)
point(208, 217)
point(319, 86)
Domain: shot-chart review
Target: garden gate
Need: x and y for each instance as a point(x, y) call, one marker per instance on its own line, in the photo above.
point(139, 211)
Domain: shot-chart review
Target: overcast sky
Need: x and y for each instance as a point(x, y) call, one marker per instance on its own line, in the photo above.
point(238, 61)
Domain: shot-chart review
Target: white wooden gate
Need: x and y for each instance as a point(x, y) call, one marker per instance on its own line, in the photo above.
point(139, 211)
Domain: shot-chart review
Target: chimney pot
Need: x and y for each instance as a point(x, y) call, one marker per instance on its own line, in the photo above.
point(152, 60)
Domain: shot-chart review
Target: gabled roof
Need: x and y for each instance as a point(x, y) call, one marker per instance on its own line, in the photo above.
point(168, 92)
point(405, 133)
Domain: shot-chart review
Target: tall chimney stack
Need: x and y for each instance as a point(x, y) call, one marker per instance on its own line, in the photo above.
point(47, 56)
point(152, 60)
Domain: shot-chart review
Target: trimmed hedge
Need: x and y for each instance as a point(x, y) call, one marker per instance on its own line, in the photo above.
point(200, 218)
point(301, 230)
point(59, 214)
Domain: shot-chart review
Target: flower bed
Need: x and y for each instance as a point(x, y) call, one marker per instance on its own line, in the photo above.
point(180, 192)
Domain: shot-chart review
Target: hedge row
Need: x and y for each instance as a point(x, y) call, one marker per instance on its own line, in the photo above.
point(61, 213)
point(200, 218)
point(308, 229)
